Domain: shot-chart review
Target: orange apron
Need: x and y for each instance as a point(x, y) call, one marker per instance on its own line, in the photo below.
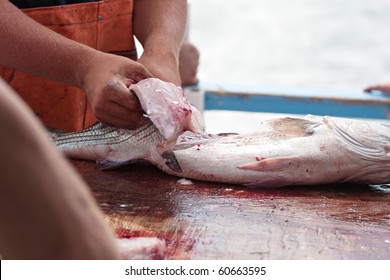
point(104, 25)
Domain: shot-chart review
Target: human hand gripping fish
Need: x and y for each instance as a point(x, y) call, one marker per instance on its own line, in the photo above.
point(170, 115)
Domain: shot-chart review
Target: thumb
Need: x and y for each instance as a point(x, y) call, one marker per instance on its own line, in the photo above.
point(138, 73)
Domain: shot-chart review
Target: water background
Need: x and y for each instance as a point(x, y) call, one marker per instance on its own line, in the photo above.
point(316, 43)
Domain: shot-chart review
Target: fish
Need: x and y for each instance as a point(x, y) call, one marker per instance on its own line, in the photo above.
point(311, 150)
point(286, 151)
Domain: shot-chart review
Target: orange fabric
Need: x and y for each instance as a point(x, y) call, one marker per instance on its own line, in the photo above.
point(103, 25)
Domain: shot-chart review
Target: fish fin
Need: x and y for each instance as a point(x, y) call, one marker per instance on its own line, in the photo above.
point(293, 127)
point(269, 182)
point(272, 164)
point(197, 123)
point(105, 164)
point(171, 161)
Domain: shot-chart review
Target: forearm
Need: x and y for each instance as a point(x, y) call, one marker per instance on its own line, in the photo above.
point(159, 25)
point(49, 199)
point(28, 46)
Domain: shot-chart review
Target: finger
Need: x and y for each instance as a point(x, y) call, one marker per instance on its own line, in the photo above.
point(125, 124)
point(370, 88)
point(117, 92)
point(382, 87)
point(190, 82)
point(367, 89)
point(136, 73)
point(120, 117)
point(128, 100)
point(120, 108)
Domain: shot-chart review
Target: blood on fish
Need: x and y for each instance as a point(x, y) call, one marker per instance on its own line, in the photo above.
point(322, 148)
point(260, 158)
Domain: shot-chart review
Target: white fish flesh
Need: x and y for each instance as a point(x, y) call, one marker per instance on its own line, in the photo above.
point(168, 109)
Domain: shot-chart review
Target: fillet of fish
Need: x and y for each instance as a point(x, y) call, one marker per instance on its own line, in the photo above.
point(282, 152)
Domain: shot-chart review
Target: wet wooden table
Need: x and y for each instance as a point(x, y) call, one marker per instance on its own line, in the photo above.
point(219, 221)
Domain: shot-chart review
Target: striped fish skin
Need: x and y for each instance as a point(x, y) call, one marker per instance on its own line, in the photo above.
point(113, 146)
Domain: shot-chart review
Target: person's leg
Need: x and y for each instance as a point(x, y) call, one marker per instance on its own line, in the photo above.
point(46, 210)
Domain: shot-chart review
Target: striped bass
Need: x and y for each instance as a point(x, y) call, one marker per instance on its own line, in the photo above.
point(286, 151)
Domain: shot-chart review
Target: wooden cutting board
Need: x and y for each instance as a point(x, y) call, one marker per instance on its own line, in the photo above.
point(219, 221)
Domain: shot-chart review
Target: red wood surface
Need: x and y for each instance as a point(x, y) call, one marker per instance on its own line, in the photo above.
point(220, 221)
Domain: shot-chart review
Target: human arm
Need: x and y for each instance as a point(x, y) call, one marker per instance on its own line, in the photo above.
point(28, 46)
point(188, 64)
point(159, 25)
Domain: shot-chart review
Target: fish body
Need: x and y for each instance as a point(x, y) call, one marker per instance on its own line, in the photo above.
point(290, 151)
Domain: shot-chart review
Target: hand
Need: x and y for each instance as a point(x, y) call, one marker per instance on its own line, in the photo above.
point(106, 82)
point(188, 64)
point(164, 67)
point(382, 87)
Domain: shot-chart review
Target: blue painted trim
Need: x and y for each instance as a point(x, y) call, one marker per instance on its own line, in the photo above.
point(316, 101)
